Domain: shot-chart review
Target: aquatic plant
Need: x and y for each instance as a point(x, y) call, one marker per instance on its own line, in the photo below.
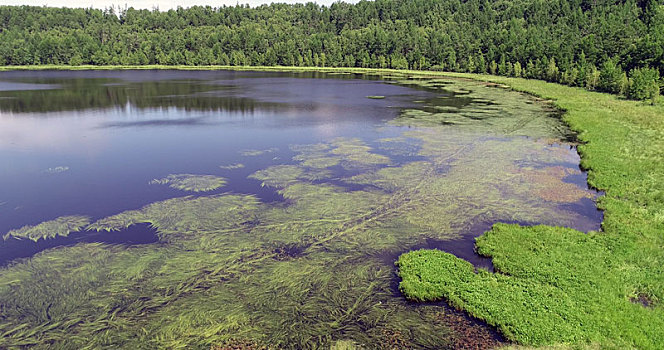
point(57, 170)
point(232, 166)
point(61, 226)
point(376, 97)
point(190, 182)
point(257, 152)
point(484, 109)
point(186, 215)
point(278, 175)
point(355, 153)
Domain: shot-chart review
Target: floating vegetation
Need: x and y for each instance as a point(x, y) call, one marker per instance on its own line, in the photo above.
point(279, 175)
point(232, 166)
point(354, 153)
point(61, 226)
point(315, 156)
point(350, 153)
point(233, 272)
point(187, 215)
point(57, 170)
point(484, 109)
point(192, 183)
point(376, 97)
point(283, 175)
point(257, 152)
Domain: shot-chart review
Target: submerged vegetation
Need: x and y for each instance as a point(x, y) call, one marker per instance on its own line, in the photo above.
point(61, 226)
point(312, 271)
point(192, 183)
point(232, 166)
point(57, 170)
point(257, 152)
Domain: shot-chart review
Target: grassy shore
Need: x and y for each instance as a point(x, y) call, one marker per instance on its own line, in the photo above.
point(556, 285)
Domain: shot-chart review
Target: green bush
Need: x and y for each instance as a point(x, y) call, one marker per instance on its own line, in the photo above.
point(644, 84)
point(611, 78)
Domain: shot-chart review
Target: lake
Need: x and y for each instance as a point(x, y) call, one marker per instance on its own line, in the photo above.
point(227, 209)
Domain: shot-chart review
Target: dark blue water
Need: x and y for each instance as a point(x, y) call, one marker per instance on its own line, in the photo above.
point(89, 142)
point(110, 133)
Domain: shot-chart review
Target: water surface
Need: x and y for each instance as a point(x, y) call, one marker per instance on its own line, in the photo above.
point(242, 208)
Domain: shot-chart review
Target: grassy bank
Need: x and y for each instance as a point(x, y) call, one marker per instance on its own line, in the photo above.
point(555, 285)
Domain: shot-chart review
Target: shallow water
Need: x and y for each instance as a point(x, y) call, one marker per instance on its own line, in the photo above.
point(278, 202)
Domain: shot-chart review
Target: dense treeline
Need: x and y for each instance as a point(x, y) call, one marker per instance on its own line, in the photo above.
point(608, 45)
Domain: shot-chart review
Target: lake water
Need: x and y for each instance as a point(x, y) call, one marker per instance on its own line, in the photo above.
point(216, 208)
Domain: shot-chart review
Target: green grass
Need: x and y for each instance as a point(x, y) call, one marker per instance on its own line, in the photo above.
point(559, 285)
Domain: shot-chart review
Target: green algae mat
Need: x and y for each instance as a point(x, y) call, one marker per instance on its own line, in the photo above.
point(316, 268)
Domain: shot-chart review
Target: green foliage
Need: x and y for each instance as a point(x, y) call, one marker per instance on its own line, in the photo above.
point(552, 70)
point(592, 78)
point(518, 71)
point(644, 84)
point(611, 78)
point(556, 285)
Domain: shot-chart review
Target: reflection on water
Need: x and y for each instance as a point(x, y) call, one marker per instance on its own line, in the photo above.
point(116, 131)
point(284, 200)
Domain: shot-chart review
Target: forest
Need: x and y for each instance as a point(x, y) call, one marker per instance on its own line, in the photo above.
point(606, 45)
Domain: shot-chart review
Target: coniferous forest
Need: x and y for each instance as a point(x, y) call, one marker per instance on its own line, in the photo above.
point(611, 46)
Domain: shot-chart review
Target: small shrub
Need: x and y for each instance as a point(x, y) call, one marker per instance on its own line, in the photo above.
point(611, 78)
point(592, 78)
point(644, 84)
